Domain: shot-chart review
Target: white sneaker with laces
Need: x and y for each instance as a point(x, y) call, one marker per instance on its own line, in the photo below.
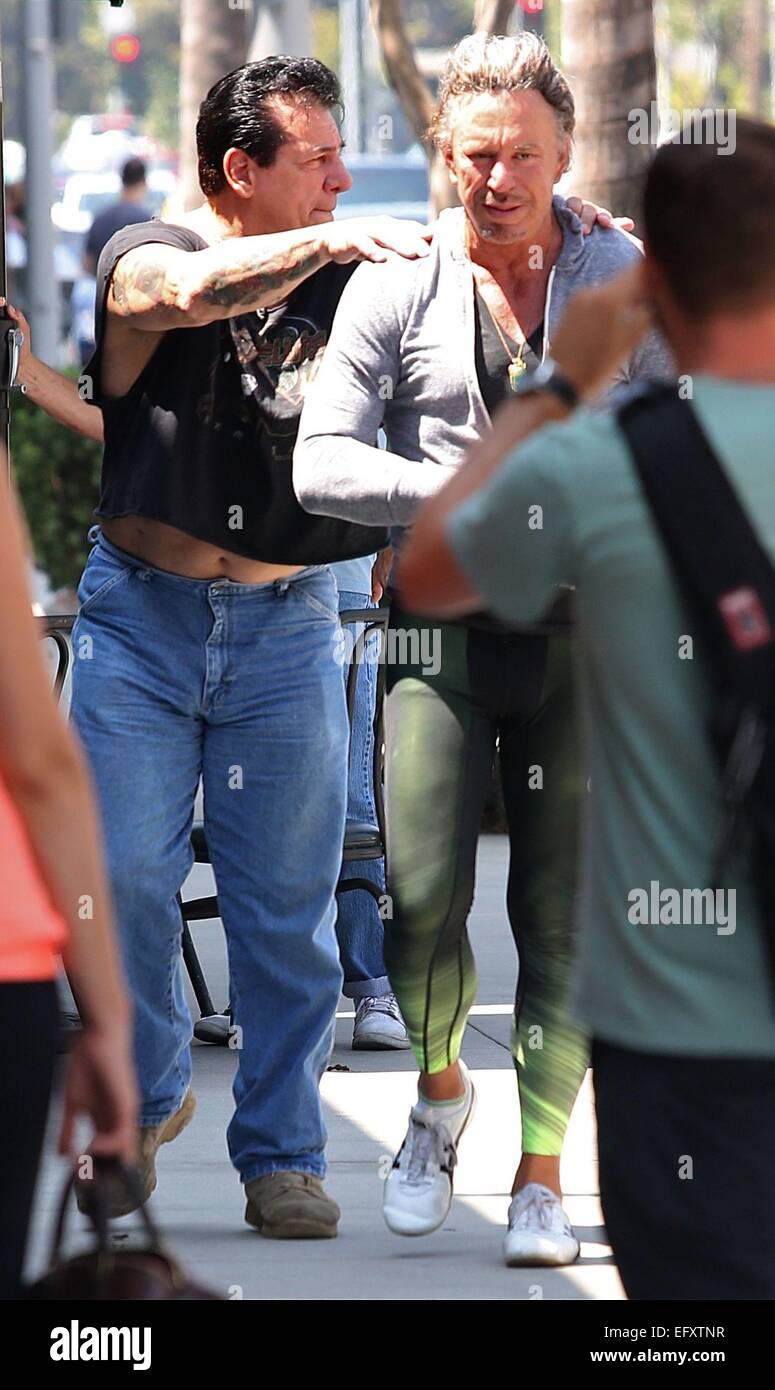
point(379, 1025)
point(418, 1190)
point(539, 1230)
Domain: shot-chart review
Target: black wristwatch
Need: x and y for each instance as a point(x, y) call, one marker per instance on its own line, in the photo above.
point(549, 377)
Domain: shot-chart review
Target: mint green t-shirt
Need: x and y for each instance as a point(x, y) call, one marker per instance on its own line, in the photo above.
point(660, 969)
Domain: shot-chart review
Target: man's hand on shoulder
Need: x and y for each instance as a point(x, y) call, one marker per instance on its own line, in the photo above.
point(376, 239)
point(592, 215)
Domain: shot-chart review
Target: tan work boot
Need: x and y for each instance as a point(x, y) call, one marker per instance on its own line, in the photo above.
point(151, 1138)
point(291, 1206)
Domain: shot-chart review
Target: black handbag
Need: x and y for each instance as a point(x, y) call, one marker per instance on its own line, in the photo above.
point(104, 1274)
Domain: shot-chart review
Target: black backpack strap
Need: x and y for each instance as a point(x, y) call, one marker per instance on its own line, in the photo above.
point(730, 587)
point(728, 583)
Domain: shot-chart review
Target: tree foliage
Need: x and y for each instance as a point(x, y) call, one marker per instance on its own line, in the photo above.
point(57, 473)
point(719, 27)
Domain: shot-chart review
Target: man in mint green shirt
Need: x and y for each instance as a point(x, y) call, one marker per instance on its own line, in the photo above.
point(672, 981)
point(653, 808)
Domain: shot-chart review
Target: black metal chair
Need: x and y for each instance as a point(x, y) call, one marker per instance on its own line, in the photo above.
point(58, 628)
point(362, 840)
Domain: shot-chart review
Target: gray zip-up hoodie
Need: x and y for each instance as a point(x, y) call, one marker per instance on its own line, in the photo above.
point(401, 357)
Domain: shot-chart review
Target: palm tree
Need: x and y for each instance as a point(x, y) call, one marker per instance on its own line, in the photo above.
point(608, 57)
point(213, 40)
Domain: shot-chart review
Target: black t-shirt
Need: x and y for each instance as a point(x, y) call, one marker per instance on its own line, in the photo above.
point(110, 221)
point(492, 362)
point(204, 438)
point(491, 358)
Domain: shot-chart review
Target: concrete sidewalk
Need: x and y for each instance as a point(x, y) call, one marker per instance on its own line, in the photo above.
point(199, 1200)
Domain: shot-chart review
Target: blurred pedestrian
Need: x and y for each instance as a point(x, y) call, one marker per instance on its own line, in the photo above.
point(16, 242)
point(127, 209)
point(378, 1025)
point(83, 299)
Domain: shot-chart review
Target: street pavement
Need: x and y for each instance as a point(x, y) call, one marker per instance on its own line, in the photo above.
point(199, 1203)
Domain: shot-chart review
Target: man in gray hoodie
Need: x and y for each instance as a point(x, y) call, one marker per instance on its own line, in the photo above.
point(428, 351)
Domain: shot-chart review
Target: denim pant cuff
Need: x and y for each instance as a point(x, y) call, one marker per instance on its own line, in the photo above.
point(315, 1166)
point(366, 989)
point(147, 1118)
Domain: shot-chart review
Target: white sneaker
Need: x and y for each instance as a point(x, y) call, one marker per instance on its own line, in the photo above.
point(418, 1190)
point(539, 1230)
point(379, 1025)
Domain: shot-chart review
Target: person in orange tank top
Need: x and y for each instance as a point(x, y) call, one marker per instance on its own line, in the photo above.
point(55, 902)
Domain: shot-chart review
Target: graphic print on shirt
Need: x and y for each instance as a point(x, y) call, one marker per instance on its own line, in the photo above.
point(279, 361)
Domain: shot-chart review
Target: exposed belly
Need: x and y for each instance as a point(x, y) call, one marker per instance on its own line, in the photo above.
point(167, 548)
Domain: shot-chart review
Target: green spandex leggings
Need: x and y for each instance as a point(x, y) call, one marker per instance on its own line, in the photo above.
point(441, 732)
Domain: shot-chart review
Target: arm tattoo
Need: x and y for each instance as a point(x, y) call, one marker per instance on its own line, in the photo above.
point(148, 280)
point(232, 286)
point(241, 283)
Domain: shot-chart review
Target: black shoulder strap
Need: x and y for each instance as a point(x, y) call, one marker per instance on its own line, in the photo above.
point(728, 582)
point(726, 575)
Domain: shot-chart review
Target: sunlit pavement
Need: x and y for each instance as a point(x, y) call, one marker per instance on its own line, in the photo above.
point(199, 1201)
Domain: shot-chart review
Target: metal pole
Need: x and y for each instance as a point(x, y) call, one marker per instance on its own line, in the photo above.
point(351, 71)
point(43, 293)
point(269, 30)
point(298, 28)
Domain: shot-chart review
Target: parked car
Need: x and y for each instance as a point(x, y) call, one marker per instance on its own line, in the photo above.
point(85, 195)
point(99, 142)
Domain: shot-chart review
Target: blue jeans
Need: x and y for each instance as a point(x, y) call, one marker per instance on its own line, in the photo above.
point(240, 684)
point(359, 927)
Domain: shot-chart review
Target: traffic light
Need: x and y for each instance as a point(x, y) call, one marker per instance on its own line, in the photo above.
point(125, 48)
